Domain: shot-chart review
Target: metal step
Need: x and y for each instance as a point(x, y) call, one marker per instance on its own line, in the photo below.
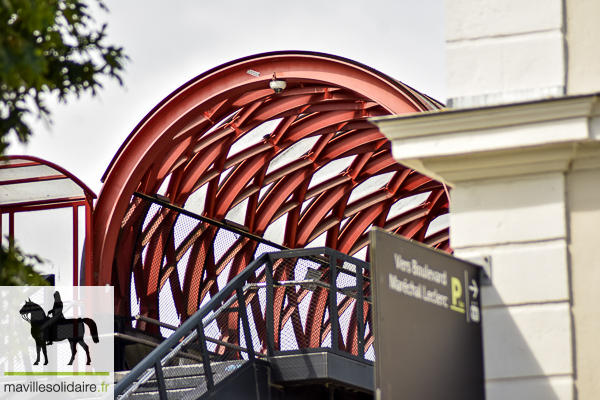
point(171, 394)
point(183, 379)
point(185, 382)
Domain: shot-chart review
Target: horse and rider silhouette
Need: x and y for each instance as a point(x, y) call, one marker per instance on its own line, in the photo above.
point(45, 329)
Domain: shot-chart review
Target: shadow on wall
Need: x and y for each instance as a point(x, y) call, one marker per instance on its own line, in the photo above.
point(522, 346)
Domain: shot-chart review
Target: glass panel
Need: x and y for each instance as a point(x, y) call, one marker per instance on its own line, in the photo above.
point(238, 213)
point(331, 170)
point(35, 171)
point(292, 153)
point(51, 239)
point(5, 220)
point(14, 162)
point(195, 203)
point(441, 222)
point(40, 191)
point(407, 204)
point(370, 186)
point(276, 230)
point(253, 137)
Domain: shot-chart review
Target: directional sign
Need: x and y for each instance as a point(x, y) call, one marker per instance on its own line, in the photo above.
point(474, 288)
point(427, 322)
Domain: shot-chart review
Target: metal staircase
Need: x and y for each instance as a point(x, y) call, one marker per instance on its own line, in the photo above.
point(182, 381)
point(235, 346)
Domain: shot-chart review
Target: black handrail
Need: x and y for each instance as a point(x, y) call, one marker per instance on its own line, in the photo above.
point(237, 288)
point(218, 224)
point(193, 323)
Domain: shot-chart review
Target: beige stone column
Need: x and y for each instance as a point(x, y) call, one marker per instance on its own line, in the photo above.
point(525, 182)
point(508, 51)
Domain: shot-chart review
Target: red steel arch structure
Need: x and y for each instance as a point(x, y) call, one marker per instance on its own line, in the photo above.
point(307, 156)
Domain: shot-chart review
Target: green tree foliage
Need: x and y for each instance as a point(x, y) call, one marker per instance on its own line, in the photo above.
point(46, 47)
point(49, 46)
point(17, 268)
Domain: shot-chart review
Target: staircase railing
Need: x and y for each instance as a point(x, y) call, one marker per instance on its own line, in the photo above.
point(284, 302)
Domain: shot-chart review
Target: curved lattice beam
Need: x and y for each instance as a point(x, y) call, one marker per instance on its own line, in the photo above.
point(226, 133)
point(307, 156)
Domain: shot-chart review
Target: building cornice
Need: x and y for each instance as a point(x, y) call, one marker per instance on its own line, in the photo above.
point(458, 120)
point(492, 142)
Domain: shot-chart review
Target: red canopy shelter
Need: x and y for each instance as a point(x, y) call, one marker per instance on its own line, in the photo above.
point(31, 184)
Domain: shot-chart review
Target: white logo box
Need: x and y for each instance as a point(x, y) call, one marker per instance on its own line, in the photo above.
point(87, 320)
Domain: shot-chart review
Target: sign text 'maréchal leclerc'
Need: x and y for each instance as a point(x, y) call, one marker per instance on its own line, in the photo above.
point(419, 291)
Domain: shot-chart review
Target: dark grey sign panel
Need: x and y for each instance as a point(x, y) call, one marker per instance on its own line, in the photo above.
point(427, 321)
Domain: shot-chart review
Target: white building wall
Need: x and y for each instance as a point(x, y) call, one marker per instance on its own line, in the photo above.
point(520, 223)
point(524, 169)
point(583, 189)
point(583, 44)
point(531, 202)
point(504, 51)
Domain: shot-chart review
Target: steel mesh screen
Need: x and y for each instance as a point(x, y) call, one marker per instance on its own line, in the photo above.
point(170, 264)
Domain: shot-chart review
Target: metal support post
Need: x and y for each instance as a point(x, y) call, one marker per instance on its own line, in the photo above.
point(360, 304)
point(245, 323)
point(160, 379)
point(269, 317)
point(205, 359)
point(333, 308)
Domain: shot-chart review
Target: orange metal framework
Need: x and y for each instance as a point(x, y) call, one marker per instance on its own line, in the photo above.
point(184, 144)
